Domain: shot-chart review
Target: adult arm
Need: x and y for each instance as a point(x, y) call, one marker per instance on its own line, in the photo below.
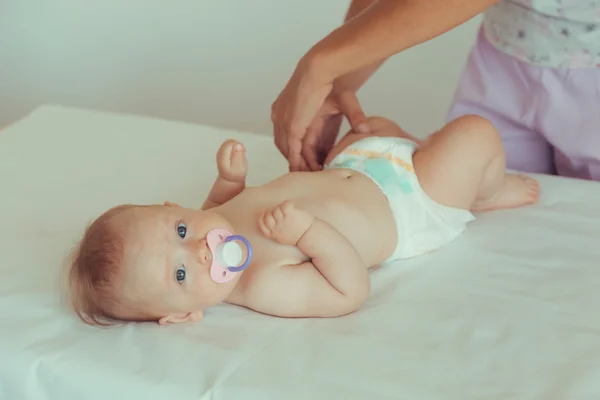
point(354, 80)
point(383, 29)
point(349, 55)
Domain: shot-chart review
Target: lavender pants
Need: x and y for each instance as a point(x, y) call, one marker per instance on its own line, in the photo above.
point(549, 119)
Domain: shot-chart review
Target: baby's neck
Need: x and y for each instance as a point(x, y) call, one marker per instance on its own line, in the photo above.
point(227, 215)
point(231, 211)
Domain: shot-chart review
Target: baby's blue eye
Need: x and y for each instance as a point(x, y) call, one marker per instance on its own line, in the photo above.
point(181, 230)
point(180, 275)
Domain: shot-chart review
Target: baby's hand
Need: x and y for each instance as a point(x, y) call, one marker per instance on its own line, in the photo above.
point(285, 223)
point(231, 161)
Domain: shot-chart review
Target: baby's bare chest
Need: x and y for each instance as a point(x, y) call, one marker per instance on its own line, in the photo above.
point(353, 205)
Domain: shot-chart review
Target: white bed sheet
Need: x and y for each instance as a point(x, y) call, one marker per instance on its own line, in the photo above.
point(508, 311)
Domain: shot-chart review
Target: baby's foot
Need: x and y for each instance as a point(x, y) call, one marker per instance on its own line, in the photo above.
point(518, 190)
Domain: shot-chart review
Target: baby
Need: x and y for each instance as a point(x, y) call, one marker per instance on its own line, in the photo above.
point(302, 244)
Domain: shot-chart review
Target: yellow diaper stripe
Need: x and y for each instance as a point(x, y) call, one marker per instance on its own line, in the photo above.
point(375, 154)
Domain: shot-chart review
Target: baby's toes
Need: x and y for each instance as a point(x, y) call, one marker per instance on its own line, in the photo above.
point(533, 188)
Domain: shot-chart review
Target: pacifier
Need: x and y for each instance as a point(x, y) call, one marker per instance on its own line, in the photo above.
point(227, 254)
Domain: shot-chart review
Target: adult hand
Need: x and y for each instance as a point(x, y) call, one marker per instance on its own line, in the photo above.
point(324, 129)
point(307, 116)
point(294, 111)
point(381, 29)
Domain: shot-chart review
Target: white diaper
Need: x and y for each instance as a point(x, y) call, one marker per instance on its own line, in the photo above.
point(423, 224)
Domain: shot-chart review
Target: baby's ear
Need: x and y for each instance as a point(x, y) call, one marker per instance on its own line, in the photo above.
point(169, 204)
point(174, 319)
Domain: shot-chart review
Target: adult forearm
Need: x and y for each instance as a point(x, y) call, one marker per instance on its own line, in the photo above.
point(355, 79)
point(356, 7)
point(336, 258)
point(384, 29)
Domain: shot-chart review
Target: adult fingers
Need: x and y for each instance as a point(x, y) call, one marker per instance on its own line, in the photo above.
point(351, 108)
point(303, 165)
point(329, 136)
point(279, 133)
point(294, 148)
point(310, 144)
point(280, 139)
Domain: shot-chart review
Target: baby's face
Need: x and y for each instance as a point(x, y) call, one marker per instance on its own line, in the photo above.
point(166, 268)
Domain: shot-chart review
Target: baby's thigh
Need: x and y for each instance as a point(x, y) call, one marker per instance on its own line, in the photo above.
point(526, 150)
point(452, 162)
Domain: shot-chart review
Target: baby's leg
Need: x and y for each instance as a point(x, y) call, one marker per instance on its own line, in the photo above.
point(463, 166)
point(525, 149)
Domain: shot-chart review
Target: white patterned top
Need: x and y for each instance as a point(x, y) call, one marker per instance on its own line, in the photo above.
point(552, 33)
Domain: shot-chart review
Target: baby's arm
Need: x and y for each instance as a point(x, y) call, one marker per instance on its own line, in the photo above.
point(335, 282)
point(232, 167)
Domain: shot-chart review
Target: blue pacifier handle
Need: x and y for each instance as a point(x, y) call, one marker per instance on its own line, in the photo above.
point(248, 250)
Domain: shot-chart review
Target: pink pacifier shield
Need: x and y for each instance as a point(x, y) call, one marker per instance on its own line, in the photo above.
point(224, 248)
point(218, 273)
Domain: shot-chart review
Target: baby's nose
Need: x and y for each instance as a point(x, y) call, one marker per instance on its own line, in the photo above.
point(200, 249)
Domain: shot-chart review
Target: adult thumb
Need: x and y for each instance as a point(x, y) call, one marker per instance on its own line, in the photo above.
point(351, 108)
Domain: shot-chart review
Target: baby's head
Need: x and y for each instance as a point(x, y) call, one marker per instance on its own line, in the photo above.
point(146, 263)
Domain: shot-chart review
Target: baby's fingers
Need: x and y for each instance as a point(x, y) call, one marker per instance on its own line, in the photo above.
point(266, 223)
point(263, 228)
point(278, 215)
point(287, 207)
point(238, 156)
point(225, 151)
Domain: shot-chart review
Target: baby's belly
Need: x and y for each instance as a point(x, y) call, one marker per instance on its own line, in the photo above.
point(356, 207)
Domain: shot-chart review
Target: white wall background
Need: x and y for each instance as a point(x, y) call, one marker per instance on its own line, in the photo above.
point(220, 62)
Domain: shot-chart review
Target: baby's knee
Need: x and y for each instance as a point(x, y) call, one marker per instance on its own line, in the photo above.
point(472, 124)
point(478, 131)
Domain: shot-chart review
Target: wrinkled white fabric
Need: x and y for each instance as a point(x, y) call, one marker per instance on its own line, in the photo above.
point(509, 310)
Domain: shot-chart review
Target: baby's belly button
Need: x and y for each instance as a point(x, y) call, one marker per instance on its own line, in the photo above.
point(343, 172)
